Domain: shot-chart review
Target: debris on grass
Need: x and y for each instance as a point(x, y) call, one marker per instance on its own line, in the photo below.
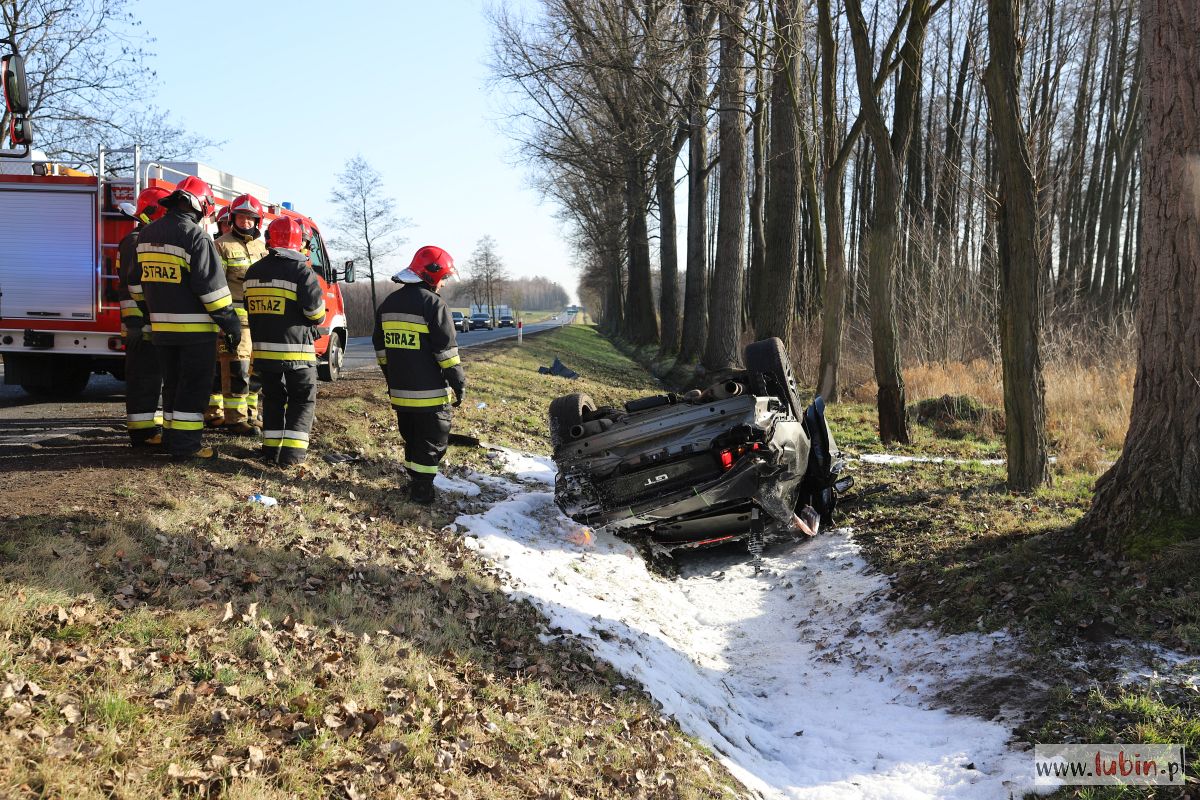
point(559, 369)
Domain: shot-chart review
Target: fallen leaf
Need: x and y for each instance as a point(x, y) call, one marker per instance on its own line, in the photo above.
point(18, 711)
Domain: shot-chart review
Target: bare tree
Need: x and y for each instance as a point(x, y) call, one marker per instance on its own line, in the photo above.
point(86, 64)
point(890, 152)
point(1156, 481)
point(487, 271)
point(774, 290)
point(366, 225)
point(698, 23)
point(725, 306)
point(1022, 259)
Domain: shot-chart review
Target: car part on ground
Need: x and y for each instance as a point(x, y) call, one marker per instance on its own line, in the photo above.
point(740, 461)
point(560, 369)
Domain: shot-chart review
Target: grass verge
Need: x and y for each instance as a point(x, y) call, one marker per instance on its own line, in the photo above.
point(163, 637)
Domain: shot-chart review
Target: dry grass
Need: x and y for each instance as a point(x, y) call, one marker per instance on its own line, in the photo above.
point(1087, 406)
point(166, 638)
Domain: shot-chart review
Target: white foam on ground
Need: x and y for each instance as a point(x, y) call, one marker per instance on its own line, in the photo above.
point(791, 676)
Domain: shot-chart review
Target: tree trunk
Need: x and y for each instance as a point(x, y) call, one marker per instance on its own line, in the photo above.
point(668, 253)
point(834, 302)
point(641, 326)
point(725, 313)
point(1156, 481)
point(883, 233)
point(775, 287)
point(1021, 260)
point(695, 290)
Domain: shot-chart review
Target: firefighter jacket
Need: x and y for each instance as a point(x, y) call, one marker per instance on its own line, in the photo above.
point(129, 286)
point(284, 301)
point(183, 282)
point(239, 253)
point(415, 345)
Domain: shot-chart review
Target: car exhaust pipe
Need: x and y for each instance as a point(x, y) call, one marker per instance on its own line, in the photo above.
point(589, 428)
point(728, 389)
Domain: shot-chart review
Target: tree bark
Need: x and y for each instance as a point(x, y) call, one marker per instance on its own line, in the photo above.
point(695, 290)
point(725, 314)
point(1021, 259)
point(775, 288)
point(833, 310)
point(668, 252)
point(883, 233)
point(641, 326)
point(1156, 481)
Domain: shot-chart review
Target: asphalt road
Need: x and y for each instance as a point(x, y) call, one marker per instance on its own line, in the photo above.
point(26, 420)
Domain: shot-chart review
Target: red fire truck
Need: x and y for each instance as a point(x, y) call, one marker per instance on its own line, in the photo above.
point(60, 319)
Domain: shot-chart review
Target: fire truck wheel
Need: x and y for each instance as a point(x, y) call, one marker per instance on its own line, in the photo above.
point(66, 377)
point(331, 368)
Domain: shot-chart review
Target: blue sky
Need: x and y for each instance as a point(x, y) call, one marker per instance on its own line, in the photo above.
point(294, 90)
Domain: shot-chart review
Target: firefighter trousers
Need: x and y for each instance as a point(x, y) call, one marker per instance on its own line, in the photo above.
point(289, 404)
point(426, 435)
point(143, 386)
point(187, 373)
point(234, 375)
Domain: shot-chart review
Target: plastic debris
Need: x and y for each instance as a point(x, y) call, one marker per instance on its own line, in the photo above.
point(560, 369)
point(263, 499)
point(481, 404)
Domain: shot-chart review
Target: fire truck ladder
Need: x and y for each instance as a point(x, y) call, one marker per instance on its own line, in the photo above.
point(108, 252)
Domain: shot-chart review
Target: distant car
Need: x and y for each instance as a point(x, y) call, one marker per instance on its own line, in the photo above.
point(507, 321)
point(460, 322)
point(481, 321)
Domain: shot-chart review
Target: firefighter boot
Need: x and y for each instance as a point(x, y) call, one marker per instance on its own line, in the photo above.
point(421, 492)
point(205, 453)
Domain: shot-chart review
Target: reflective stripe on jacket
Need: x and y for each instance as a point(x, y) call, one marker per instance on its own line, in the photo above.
point(284, 301)
point(129, 289)
point(415, 345)
point(238, 255)
point(182, 281)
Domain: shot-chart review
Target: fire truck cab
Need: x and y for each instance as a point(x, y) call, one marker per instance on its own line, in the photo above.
point(60, 318)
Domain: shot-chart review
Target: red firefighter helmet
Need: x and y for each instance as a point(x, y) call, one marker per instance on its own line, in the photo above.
point(197, 193)
point(148, 208)
point(285, 233)
point(432, 265)
point(247, 204)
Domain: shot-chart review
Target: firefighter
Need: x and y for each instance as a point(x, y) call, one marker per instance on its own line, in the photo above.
point(284, 302)
point(241, 247)
point(214, 416)
point(143, 379)
point(189, 304)
point(415, 345)
point(222, 220)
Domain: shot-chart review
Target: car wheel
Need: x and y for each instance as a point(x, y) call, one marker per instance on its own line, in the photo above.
point(770, 358)
point(565, 413)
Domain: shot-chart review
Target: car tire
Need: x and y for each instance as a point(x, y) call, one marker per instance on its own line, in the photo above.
point(565, 413)
point(770, 357)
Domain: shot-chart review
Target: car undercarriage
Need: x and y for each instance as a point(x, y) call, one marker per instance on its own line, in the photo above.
point(739, 461)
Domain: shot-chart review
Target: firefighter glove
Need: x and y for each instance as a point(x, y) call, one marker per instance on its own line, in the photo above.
point(232, 340)
point(458, 398)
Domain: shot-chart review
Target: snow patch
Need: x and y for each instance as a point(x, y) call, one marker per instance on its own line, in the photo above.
point(792, 675)
point(893, 458)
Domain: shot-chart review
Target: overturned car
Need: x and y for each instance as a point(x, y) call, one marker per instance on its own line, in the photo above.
point(741, 461)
